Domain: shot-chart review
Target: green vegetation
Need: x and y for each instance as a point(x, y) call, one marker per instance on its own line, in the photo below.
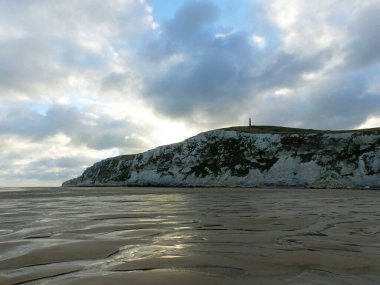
point(229, 154)
point(286, 130)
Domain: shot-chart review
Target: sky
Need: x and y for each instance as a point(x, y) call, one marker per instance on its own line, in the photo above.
point(81, 81)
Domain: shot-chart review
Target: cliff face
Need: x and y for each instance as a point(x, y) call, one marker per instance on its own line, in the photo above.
point(241, 159)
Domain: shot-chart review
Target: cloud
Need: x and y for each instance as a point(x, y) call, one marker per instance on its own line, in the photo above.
point(287, 69)
point(82, 128)
point(54, 169)
point(215, 68)
point(44, 162)
point(66, 45)
point(191, 19)
point(30, 168)
point(259, 41)
point(207, 77)
point(334, 45)
point(182, 86)
point(208, 67)
point(308, 27)
point(27, 66)
point(94, 78)
point(364, 48)
point(343, 102)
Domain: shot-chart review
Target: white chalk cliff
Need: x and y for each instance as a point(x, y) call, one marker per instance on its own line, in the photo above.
point(236, 157)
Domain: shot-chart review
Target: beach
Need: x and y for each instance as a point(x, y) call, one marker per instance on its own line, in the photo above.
point(62, 236)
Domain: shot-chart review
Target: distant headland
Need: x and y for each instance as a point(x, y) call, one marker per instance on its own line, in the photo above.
point(249, 156)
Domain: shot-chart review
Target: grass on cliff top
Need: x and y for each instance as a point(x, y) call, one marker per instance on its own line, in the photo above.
point(286, 130)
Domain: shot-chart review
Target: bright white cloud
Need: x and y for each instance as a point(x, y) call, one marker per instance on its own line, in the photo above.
point(283, 92)
point(371, 122)
point(312, 26)
point(259, 41)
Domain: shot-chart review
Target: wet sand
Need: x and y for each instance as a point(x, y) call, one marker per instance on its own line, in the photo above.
point(189, 236)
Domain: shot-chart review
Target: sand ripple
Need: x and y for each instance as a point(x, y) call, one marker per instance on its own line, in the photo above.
point(189, 236)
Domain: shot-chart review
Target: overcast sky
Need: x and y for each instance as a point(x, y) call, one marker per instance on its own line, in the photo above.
point(84, 80)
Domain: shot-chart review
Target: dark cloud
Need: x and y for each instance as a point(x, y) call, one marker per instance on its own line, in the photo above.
point(220, 75)
point(99, 132)
point(285, 70)
point(338, 102)
point(114, 81)
point(208, 61)
point(190, 30)
point(191, 22)
point(205, 79)
point(364, 48)
point(342, 102)
point(217, 70)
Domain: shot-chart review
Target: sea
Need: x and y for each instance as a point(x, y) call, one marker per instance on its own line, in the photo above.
point(189, 236)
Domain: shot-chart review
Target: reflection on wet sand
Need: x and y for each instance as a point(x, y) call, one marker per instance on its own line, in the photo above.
point(187, 236)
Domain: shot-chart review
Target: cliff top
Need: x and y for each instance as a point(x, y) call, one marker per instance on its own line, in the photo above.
point(286, 130)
